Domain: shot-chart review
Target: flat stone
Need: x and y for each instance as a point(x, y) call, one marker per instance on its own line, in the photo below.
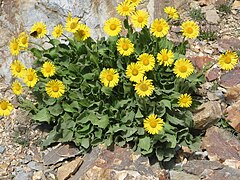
point(230, 78)
point(213, 74)
point(35, 165)
point(221, 145)
point(207, 114)
point(211, 2)
point(2, 149)
point(236, 5)
point(234, 115)
point(233, 94)
point(229, 44)
point(200, 61)
point(212, 17)
point(180, 175)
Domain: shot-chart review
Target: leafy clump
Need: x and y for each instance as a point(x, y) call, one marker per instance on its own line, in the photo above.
point(196, 14)
point(135, 88)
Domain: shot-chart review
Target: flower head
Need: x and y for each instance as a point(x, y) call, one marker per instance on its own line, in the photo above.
point(125, 47)
point(72, 24)
point(183, 68)
point(5, 107)
point(109, 77)
point(171, 12)
point(82, 32)
point(125, 8)
point(140, 18)
point(38, 30)
point(159, 27)
point(228, 60)
point(14, 47)
point(165, 57)
point(152, 124)
point(135, 72)
point(17, 87)
point(190, 29)
point(30, 77)
point(17, 69)
point(147, 61)
point(57, 31)
point(135, 2)
point(144, 87)
point(48, 69)
point(185, 100)
point(113, 26)
point(55, 88)
point(23, 40)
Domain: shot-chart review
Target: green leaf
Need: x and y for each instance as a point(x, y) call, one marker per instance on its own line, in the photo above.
point(68, 108)
point(55, 110)
point(139, 114)
point(166, 103)
point(175, 120)
point(106, 90)
point(145, 143)
point(36, 52)
point(49, 101)
point(89, 76)
point(160, 153)
point(42, 116)
point(85, 142)
point(102, 123)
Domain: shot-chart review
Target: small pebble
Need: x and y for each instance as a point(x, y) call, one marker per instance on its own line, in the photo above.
point(2, 149)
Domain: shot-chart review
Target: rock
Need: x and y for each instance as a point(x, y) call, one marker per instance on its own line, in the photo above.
point(212, 96)
point(221, 145)
point(60, 153)
point(35, 165)
point(69, 168)
point(200, 61)
point(207, 114)
point(212, 2)
point(233, 94)
point(212, 17)
point(211, 170)
point(213, 74)
point(38, 175)
point(118, 163)
point(229, 43)
point(236, 5)
point(230, 78)
point(180, 175)
point(234, 116)
point(232, 163)
point(22, 175)
point(2, 149)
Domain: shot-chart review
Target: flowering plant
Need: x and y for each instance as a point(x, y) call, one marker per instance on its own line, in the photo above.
point(137, 89)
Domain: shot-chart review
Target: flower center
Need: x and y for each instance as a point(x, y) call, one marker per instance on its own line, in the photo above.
point(57, 31)
point(81, 33)
point(18, 69)
point(55, 88)
point(182, 69)
point(17, 87)
point(140, 19)
point(134, 72)
point(125, 46)
point(15, 46)
point(153, 123)
point(159, 28)
point(39, 30)
point(184, 100)
point(109, 77)
point(73, 25)
point(227, 60)
point(4, 105)
point(145, 61)
point(24, 40)
point(113, 26)
point(134, 1)
point(125, 8)
point(48, 69)
point(164, 57)
point(189, 30)
point(144, 87)
point(30, 77)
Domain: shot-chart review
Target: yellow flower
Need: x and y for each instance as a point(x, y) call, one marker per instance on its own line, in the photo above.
point(38, 30)
point(135, 72)
point(135, 2)
point(165, 57)
point(125, 46)
point(171, 12)
point(48, 69)
point(17, 87)
point(112, 26)
point(72, 24)
point(17, 69)
point(190, 29)
point(183, 68)
point(55, 88)
point(30, 77)
point(152, 124)
point(228, 60)
point(159, 27)
point(82, 32)
point(125, 8)
point(5, 108)
point(109, 77)
point(144, 87)
point(14, 47)
point(23, 40)
point(147, 61)
point(57, 31)
point(185, 100)
point(140, 18)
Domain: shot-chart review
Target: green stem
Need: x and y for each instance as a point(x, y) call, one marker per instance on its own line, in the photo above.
point(38, 45)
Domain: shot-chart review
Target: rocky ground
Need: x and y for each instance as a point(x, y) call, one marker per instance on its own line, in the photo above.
point(22, 158)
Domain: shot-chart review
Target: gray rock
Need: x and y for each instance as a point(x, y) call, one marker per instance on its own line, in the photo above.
point(35, 165)
point(212, 17)
point(180, 175)
point(22, 175)
point(2, 149)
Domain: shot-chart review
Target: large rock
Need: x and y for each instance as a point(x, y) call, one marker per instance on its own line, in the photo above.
point(234, 116)
point(231, 78)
